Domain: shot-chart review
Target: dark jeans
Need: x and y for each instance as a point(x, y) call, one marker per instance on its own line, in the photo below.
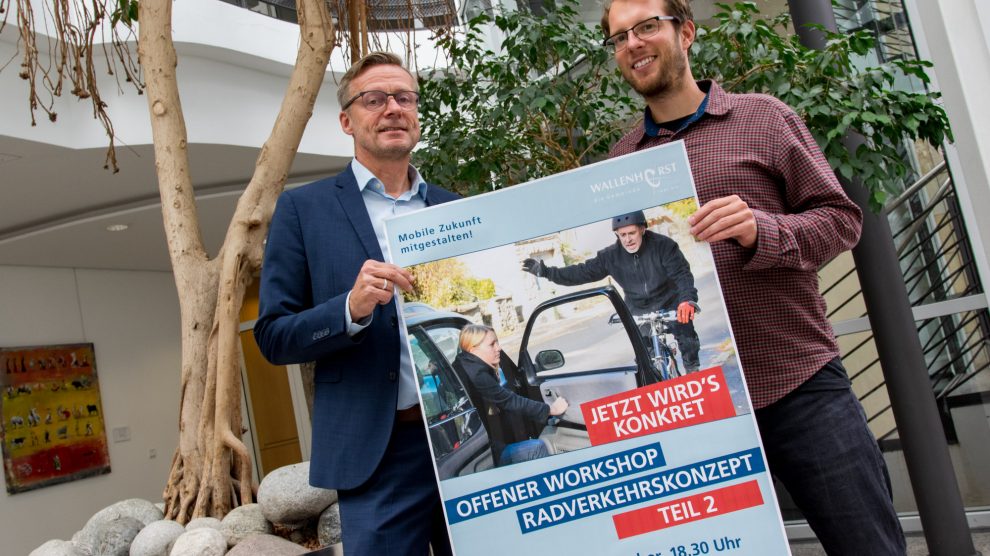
point(819, 446)
point(526, 450)
point(397, 512)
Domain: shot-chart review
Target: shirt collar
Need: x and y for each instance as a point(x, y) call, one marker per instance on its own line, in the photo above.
point(719, 103)
point(364, 178)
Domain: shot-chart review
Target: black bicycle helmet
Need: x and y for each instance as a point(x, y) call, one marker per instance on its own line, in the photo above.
point(629, 219)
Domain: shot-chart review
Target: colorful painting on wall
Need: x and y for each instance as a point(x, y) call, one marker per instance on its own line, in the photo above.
point(52, 430)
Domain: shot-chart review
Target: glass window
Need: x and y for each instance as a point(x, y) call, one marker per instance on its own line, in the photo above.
point(447, 338)
point(581, 332)
point(451, 417)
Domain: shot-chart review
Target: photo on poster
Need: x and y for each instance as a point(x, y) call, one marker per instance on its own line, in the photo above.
point(559, 340)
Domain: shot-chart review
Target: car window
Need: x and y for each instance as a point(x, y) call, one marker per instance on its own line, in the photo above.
point(451, 417)
point(414, 308)
point(447, 339)
point(581, 332)
point(439, 397)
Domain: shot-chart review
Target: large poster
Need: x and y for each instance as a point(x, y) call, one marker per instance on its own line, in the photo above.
point(52, 429)
point(584, 416)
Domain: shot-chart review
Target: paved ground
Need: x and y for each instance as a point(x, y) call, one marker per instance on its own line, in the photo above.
point(916, 545)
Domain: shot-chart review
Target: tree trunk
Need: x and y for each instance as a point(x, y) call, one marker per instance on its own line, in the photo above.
point(211, 469)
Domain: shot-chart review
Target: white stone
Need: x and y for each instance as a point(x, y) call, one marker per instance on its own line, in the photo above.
point(141, 510)
point(243, 522)
point(211, 522)
point(286, 497)
point(269, 545)
point(156, 538)
point(114, 537)
point(203, 541)
point(84, 542)
point(329, 526)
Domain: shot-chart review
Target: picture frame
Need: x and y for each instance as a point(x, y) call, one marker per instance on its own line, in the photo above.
point(52, 429)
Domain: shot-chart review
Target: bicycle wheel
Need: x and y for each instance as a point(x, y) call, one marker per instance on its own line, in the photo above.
point(655, 371)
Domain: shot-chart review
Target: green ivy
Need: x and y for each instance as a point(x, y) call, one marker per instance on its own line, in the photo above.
point(546, 101)
point(829, 89)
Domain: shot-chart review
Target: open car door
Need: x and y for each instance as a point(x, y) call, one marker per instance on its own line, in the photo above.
point(571, 349)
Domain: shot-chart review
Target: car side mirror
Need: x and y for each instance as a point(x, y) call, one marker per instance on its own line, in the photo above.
point(549, 359)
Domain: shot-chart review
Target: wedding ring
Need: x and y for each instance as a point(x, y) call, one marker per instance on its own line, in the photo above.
point(384, 283)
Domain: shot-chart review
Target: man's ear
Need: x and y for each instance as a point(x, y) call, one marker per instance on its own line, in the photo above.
point(688, 31)
point(345, 123)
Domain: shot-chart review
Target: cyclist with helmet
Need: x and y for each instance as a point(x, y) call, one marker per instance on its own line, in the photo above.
point(652, 272)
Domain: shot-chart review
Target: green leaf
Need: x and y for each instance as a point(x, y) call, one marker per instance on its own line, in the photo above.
point(511, 112)
point(519, 106)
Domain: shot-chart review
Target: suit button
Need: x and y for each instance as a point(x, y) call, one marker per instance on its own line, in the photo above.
point(395, 321)
point(392, 376)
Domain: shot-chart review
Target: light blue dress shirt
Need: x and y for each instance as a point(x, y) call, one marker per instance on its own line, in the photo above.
point(380, 206)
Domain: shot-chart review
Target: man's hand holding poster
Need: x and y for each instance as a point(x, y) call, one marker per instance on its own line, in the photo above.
point(577, 369)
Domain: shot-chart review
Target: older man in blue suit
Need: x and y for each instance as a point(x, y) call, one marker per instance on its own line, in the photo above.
point(327, 296)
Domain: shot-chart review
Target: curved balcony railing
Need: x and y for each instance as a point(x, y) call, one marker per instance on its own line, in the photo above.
point(936, 259)
point(382, 15)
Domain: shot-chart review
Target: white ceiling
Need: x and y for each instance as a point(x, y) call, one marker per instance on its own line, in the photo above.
point(57, 203)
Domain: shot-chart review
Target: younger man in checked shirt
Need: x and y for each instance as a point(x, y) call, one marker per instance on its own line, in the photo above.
point(773, 212)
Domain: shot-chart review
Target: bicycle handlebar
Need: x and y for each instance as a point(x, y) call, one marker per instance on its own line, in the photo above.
point(647, 318)
point(668, 316)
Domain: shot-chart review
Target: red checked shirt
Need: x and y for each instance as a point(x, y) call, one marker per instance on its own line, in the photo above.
point(756, 147)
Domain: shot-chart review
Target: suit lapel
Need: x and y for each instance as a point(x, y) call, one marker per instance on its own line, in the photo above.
point(353, 204)
point(431, 198)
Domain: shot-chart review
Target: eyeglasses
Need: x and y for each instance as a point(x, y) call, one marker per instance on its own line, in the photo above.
point(643, 29)
point(376, 100)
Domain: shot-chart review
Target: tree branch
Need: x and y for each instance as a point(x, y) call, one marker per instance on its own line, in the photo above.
point(156, 53)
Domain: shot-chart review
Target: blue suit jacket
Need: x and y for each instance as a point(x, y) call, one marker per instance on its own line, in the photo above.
point(320, 236)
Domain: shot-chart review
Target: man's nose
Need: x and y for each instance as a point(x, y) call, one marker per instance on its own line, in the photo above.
point(633, 40)
point(392, 105)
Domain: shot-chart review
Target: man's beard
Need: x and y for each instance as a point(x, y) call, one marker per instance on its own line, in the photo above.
point(394, 152)
point(667, 79)
point(390, 151)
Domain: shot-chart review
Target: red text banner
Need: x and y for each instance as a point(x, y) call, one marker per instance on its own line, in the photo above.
point(689, 400)
point(685, 510)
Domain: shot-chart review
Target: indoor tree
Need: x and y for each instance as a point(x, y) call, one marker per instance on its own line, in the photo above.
point(545, 100)
point(548, 97)
point(211, 468)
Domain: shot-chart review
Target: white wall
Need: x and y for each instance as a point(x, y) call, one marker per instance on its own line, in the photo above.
point(132, 318)
point(955, 36)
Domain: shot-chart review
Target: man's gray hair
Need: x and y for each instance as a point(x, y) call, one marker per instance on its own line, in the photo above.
point(357, 68)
